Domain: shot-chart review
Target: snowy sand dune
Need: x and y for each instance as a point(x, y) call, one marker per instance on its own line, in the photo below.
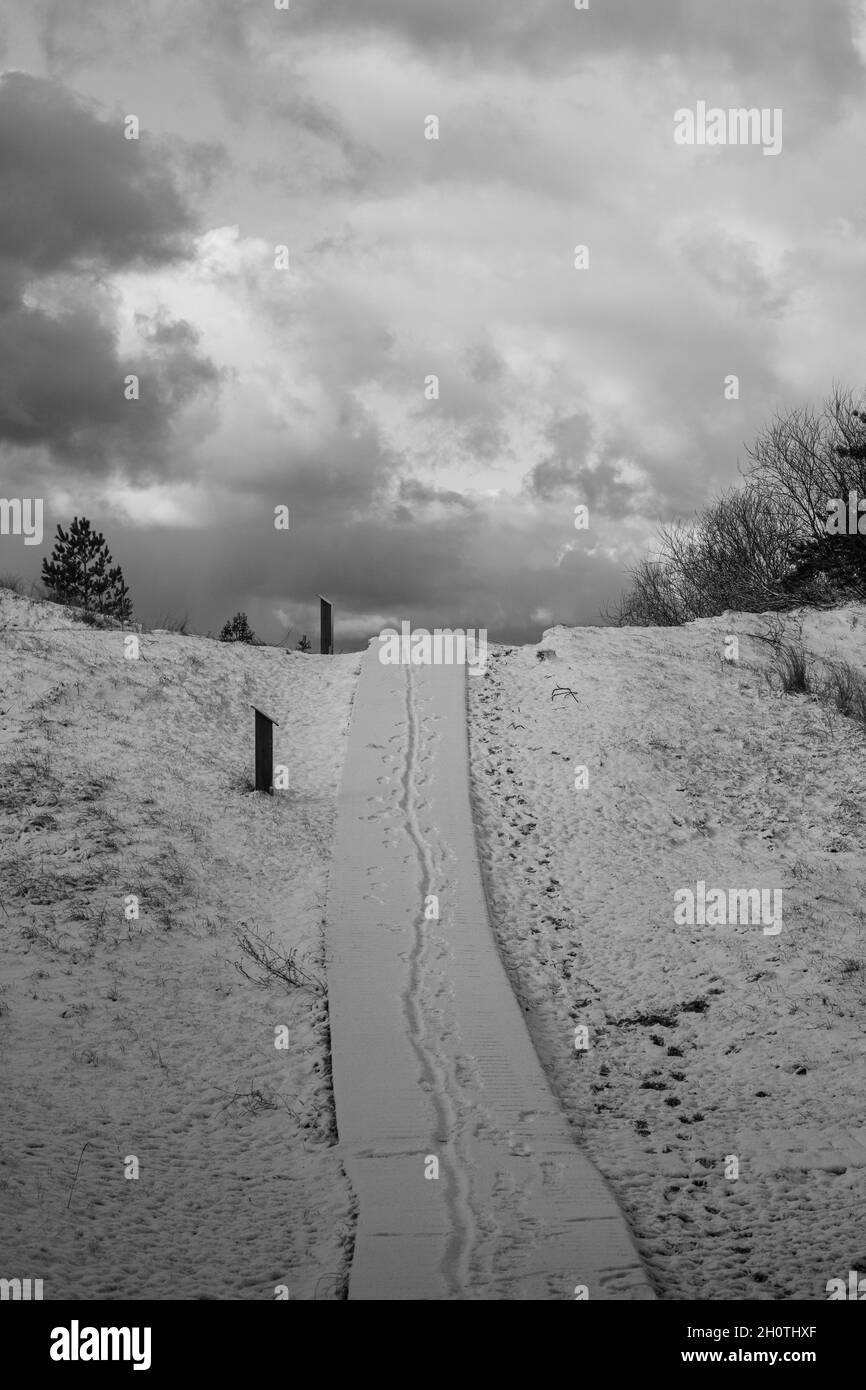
point(705, 1041)
point(139, 1037)
point(128, 1036)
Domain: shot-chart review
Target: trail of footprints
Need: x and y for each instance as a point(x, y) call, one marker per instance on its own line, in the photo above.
point(427, 1004)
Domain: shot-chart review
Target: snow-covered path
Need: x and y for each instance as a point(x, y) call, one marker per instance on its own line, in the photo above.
point(468, 1180)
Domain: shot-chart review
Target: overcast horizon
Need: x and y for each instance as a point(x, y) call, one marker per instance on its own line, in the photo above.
point(411, 258)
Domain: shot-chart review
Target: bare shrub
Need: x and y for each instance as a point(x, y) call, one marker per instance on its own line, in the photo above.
point(734, 554)
point(273, 964)
point(764, 546)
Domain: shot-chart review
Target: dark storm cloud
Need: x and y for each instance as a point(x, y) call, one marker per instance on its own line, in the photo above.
point(216, 38)
point(594, 487)
point(413, 490)
point(62, 385)
point(814, 42)
point(75, 189)
point(300, 110)
point(79, 202)
point(484, 364)
point(468, 569)
point(91, 31)
point(468, 417)
point(57, 375)
point(346, 470)
point(774, 35)
point(565, 472)
point(571, 439)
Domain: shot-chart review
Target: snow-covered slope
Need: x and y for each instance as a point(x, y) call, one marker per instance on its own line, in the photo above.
point(706, 1042)
point(127, 1037)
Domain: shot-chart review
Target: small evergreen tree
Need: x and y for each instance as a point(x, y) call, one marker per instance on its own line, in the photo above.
point(237, 630)
point(832, 567)
point(305, 645)
point(122, 602)
point(80, 572)
point(837, 561)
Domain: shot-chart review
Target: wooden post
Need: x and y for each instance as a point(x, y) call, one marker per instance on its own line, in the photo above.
point(326, 626)
point(264, 751)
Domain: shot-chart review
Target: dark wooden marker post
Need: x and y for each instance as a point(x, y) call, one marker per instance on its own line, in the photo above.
point(326, 626)
point(264, 751)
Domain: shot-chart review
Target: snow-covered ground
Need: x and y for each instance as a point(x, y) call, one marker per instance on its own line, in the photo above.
point(138, 1037)
point(706, 1043)
point(124, 1036)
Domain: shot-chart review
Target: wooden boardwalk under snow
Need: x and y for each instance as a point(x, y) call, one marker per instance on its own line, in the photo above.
point(432, 1059)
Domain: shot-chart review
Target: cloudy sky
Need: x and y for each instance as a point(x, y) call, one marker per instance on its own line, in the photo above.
point(411, 257)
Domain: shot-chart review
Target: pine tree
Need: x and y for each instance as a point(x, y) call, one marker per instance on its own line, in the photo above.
point(81, 572)
point(838, 561)
point(122, 602)
point(237, 630)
